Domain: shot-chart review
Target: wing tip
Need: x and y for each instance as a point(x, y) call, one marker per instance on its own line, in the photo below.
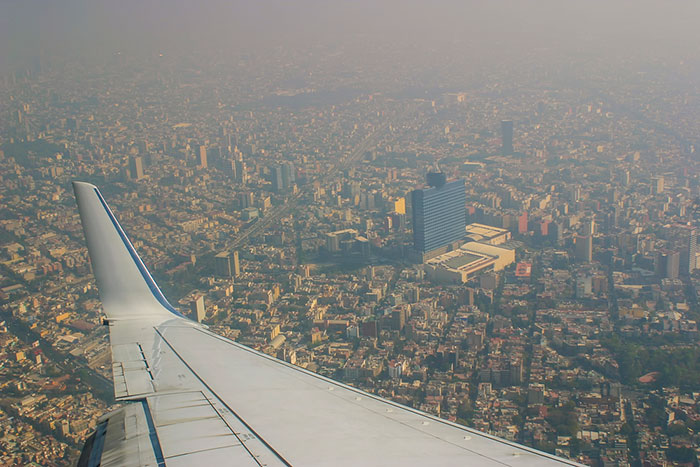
point(78, 185)
point(81, 183)
point(121, 274)
point(83, 189)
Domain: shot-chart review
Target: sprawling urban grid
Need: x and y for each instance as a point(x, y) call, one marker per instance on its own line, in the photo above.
point(272, 201)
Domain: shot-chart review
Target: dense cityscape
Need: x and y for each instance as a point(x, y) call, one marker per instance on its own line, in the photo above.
point(286, 204)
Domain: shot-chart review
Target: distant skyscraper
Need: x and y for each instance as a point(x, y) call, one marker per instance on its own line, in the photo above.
point(236, 265)
point(399, 206)
point(439, 215)
point(556, 232)
point(215, 156)
point(584, 249)
point(575, 194)
point(584, 286)
point(202, 156)
point(136, 167)
point(507, 137)
point(351, 189)
point(667, 264)
point(246, 199)
point(288, 175)
point(222, 265)
point(197, 311)
point(692, 250)
point(229, 167)
point(657, 185)
point(282, 177)
point(685, 241)
point(276, 179)
point(241, 172)
point(522, 223)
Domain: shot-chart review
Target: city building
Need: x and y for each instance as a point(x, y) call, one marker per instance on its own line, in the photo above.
point(197, 310)
point(347, 241)
point(241, 171)
point(250, 213)
point(136, 167)
point(276, 179)
point(439, 215)
point(236, 265)
point(657, 185)
point(288, 175)
point(487, 234)
point(667, 264)
point(202, 156)
point(282, 177)
point(471, 259)
point(507, 137)
point(583, 249)
point(399, 205)
point(684, 239)
point(222, 264)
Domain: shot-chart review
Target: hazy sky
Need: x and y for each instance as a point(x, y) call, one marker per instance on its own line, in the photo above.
point(89, 28)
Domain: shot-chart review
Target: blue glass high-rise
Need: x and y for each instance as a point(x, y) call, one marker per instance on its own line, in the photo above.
point(439, 215)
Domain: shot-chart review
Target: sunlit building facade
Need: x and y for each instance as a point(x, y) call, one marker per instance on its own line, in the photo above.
point(439, 216)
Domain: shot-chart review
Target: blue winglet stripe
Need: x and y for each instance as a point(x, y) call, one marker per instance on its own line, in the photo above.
point(137, 260)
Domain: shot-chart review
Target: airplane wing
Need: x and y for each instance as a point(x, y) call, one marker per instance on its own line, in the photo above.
point(196, 398)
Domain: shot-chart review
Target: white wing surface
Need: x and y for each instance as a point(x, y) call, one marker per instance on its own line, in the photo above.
point(197, 398)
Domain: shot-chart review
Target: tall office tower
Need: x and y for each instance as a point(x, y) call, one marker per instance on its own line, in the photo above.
point(246, 200)
point(439, 214)
point(288, 175)
point(685, 240)
point(241, 172)
point(556, 232)
point(575, 194)
point(657, 185)
point(222, 264)
point(507, 137)
point(231, 141)
point(522, 223)
point(202, 156)
point(197, 311)
point(236, 265)
point(583, 251)
point(614, 217)
point(667, 264)
point(351, 189)
point(136, 167)
point(228, 166)
point(276, 179)
point(215, 156)
point(692, 250)
point(399, 205)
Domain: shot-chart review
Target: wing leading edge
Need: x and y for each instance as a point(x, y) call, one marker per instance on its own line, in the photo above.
point(199, 398)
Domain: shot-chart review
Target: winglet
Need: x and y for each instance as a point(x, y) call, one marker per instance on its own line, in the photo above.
point(127, 289)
